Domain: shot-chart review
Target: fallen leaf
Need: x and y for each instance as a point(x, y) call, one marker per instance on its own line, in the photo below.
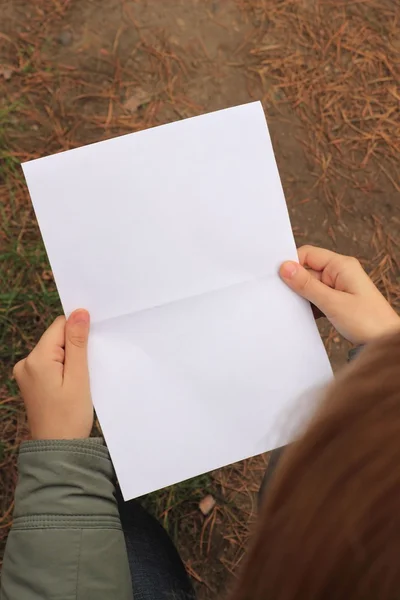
point(207, 504)
point(136, 100)
point(47, 275)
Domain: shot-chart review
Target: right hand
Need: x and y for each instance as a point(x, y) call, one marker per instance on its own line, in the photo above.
point(340, 288)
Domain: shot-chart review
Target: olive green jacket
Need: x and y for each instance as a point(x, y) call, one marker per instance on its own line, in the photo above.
point(66, 542)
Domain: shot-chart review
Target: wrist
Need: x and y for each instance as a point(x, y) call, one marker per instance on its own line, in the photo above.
point(379, 329)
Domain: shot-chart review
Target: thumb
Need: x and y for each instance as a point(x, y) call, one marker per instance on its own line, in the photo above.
point(301, 281)
point(76, 341)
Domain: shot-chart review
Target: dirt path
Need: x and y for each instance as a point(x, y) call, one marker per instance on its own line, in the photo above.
point(75, 72)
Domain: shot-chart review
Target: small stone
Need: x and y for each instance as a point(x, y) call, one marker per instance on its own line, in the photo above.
point(65, 38)
point(6, 73)
point(207, 504)
point(336, 339)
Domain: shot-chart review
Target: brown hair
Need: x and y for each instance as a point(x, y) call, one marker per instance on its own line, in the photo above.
point(329, 527)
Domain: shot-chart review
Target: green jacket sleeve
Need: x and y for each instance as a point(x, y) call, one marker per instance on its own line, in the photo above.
point(66, 541)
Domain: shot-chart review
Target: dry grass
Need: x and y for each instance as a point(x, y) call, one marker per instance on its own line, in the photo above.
point(337, 65)
point(43, 109)
point(49, 105)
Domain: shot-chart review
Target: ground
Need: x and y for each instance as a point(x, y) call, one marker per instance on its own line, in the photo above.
point(74, 72)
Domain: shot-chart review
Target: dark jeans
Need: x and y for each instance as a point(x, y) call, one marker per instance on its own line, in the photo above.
point(157, 570)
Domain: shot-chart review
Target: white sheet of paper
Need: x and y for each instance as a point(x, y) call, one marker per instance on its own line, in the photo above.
point(172, 238)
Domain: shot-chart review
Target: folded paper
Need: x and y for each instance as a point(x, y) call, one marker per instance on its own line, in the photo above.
point(172, 238)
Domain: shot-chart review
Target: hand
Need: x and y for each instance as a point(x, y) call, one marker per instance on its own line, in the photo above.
point(340, 288)
point(54, 381)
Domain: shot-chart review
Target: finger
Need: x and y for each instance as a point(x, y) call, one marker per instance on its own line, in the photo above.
point(315, 258)
point(76, 341)
point(51, 344)
point(303, 283)
point(343, 273)
point(315, 274)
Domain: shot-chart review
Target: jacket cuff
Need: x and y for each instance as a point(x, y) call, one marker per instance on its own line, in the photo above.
point(65, 483)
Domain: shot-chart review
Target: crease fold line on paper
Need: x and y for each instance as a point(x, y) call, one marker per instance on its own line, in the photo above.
point(184, 299)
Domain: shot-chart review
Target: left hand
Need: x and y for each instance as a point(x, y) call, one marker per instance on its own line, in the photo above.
point(54, 381)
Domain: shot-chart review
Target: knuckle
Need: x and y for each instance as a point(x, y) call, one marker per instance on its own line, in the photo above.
point(353, 262)
point(17, 369)
point(31, 363)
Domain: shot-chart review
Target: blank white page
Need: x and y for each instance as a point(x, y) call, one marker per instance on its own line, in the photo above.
point(172, 238)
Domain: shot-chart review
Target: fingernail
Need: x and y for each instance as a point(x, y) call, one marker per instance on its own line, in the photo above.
point(79, 316)
point(288, 270)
